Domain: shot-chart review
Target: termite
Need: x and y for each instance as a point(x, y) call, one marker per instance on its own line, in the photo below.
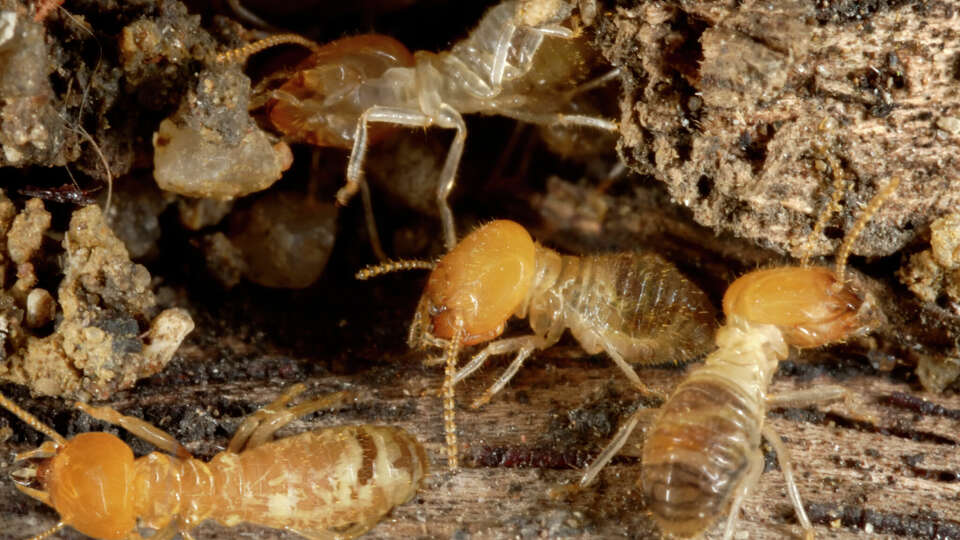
point(636, 307)
point(337, 482)
point(702, 454)
point(518, 62)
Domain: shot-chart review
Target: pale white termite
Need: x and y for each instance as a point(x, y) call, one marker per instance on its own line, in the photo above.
point(701, 457)
point(520, 62)
point(336, 482)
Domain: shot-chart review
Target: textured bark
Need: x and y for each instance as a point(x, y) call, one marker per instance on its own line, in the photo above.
point(739, 108)
point(894, 476)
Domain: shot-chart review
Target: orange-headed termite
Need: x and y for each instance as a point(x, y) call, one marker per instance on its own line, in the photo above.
point(636, 307)
point(702, 454)
point(520, 62)
point(336, 482)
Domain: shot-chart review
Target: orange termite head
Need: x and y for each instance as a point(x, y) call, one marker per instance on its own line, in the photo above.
point(479, 284)
point(809, 305)
point(90, 483)
point(88, 479)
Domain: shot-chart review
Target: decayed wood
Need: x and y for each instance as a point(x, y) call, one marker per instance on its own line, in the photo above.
point(890, 466)
point(738, 106)
point(896, 476)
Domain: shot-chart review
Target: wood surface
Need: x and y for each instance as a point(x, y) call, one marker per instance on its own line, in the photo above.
point(896, 475)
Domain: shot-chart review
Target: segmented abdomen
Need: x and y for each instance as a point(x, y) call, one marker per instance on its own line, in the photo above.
point(533, 62)
point(335, 482)
point(698, 452)
point(638, 302)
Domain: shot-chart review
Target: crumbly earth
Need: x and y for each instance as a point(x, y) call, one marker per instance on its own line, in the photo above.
point(107, 333)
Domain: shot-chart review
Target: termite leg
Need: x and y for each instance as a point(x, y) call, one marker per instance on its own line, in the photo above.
point(137, 427)
point(550, 119)
point(743, 489)
point(271, 424)
point(386, 115)
point(260, 426)
point(808, 396)
point(524, 346)
point(448, 174)
point(557, 31)
point(613, 447)
point(371, 222)
point(411, 118)
point(502, 346)
point(820, 395)
point(252, 422)
point(504, 378)
point(783, 458)
point(596, 82)
point(631, 374)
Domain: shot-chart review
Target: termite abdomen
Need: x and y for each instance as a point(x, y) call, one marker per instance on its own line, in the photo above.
point(345, 477)
point(638, 303)
point(685, 488)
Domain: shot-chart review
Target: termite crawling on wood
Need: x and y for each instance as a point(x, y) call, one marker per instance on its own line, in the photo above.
point(519, 62)
point(331, 483)
point(701, 457)
point(636, 307)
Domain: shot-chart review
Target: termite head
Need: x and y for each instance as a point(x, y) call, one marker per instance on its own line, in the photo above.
point(89, 483)
point(315, 105)
point(478, 285)
point(812, 306)
point(809, 305)
point(87, 479)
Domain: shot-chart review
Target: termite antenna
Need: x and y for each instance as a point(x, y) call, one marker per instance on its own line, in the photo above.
point(250, 17)
point(31, 421)
point(78, 128)
point(393, 266)
point(861, 223)
point(241, 54)
point(839, 187)
point(449, 412)
point(50, 532)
